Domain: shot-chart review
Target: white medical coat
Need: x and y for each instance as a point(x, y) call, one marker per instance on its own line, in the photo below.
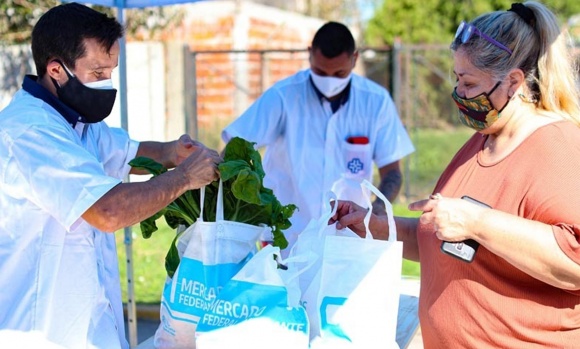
point(306, 143)
point(59, 276)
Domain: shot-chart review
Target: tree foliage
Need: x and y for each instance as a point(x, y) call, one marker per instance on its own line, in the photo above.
point(435, 21)
point(425, 71)
point(150, 22)
point(332, 10)
point(18, 17)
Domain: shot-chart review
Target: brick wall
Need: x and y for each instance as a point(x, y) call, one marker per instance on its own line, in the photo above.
point(228, 82)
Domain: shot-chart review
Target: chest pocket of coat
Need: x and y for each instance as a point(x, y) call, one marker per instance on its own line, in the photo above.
point(357, 160)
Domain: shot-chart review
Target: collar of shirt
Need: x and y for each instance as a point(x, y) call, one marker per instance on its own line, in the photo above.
point(337, 103)
point(31, 86)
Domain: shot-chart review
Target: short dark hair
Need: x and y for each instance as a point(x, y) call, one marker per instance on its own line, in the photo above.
point(61, 31)
point(333, 39)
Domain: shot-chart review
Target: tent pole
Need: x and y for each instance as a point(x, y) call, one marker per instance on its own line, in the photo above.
point(131, 307)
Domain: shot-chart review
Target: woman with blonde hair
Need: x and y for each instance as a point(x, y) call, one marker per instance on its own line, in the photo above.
point(515, 278)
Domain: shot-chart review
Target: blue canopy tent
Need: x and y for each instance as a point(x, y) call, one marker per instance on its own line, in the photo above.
point(121, 5)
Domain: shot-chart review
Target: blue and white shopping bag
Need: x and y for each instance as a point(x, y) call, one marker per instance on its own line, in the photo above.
point(213, 252)
point(258, 308)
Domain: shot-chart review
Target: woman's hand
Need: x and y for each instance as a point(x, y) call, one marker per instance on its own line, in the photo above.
point(452, 219)
point(350, 215)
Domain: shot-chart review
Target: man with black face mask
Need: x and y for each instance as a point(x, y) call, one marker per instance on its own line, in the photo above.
point(61, 190)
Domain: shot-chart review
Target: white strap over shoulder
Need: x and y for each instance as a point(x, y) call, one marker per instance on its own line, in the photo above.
point(388, 208)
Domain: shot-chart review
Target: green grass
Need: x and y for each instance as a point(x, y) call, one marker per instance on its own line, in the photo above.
point(148, 263)
point(434, 151)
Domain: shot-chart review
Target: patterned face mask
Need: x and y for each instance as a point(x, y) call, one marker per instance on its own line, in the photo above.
point(477, 112)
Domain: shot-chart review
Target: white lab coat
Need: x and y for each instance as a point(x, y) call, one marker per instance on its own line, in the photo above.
point(59, 276)
point(307, 152)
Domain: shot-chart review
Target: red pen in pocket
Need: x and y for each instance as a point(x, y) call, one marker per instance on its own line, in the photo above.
point(358, 140)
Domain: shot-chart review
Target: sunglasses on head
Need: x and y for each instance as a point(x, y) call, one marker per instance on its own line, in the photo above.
point(466, 30)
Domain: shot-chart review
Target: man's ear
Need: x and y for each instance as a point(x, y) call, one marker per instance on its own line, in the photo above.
point(56, 71)
point(354, 58)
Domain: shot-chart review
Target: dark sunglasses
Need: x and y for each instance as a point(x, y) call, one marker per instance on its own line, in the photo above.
point(466, 30)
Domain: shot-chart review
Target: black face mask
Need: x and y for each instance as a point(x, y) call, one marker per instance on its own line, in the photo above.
point(92, 104)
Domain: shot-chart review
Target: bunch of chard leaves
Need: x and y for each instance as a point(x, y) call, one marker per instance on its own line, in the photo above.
point(245, 199)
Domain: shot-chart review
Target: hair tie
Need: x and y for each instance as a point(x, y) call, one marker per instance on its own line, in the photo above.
point(524, 12)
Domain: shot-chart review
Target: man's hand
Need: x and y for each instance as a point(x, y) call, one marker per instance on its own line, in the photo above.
point(196, 162)
point(184, 147)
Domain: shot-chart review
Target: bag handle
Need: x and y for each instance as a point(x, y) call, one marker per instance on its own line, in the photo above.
point(322, 222)
point(388, 208)
point(292, 268)
point(219, 209)
point(330, 211)
point(309, 258)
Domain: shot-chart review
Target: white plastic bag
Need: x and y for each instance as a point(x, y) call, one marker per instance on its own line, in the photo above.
point(258, 308)
point(351, 294)
point(348, 187)
point(213, 252)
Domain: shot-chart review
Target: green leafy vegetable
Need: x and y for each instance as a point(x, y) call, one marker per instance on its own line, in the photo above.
point(245, 198)
point(172, 258)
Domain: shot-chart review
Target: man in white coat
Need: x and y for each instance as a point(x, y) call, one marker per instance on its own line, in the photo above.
point(323, 128)
point(61, 190)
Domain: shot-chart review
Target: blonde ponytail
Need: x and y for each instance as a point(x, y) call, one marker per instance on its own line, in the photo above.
point(558, 80)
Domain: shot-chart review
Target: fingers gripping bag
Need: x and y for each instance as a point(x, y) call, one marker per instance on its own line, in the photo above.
point(212, 252)
point(258, 308)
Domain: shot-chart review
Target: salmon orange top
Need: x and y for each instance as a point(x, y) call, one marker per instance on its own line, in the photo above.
point(489, 303)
